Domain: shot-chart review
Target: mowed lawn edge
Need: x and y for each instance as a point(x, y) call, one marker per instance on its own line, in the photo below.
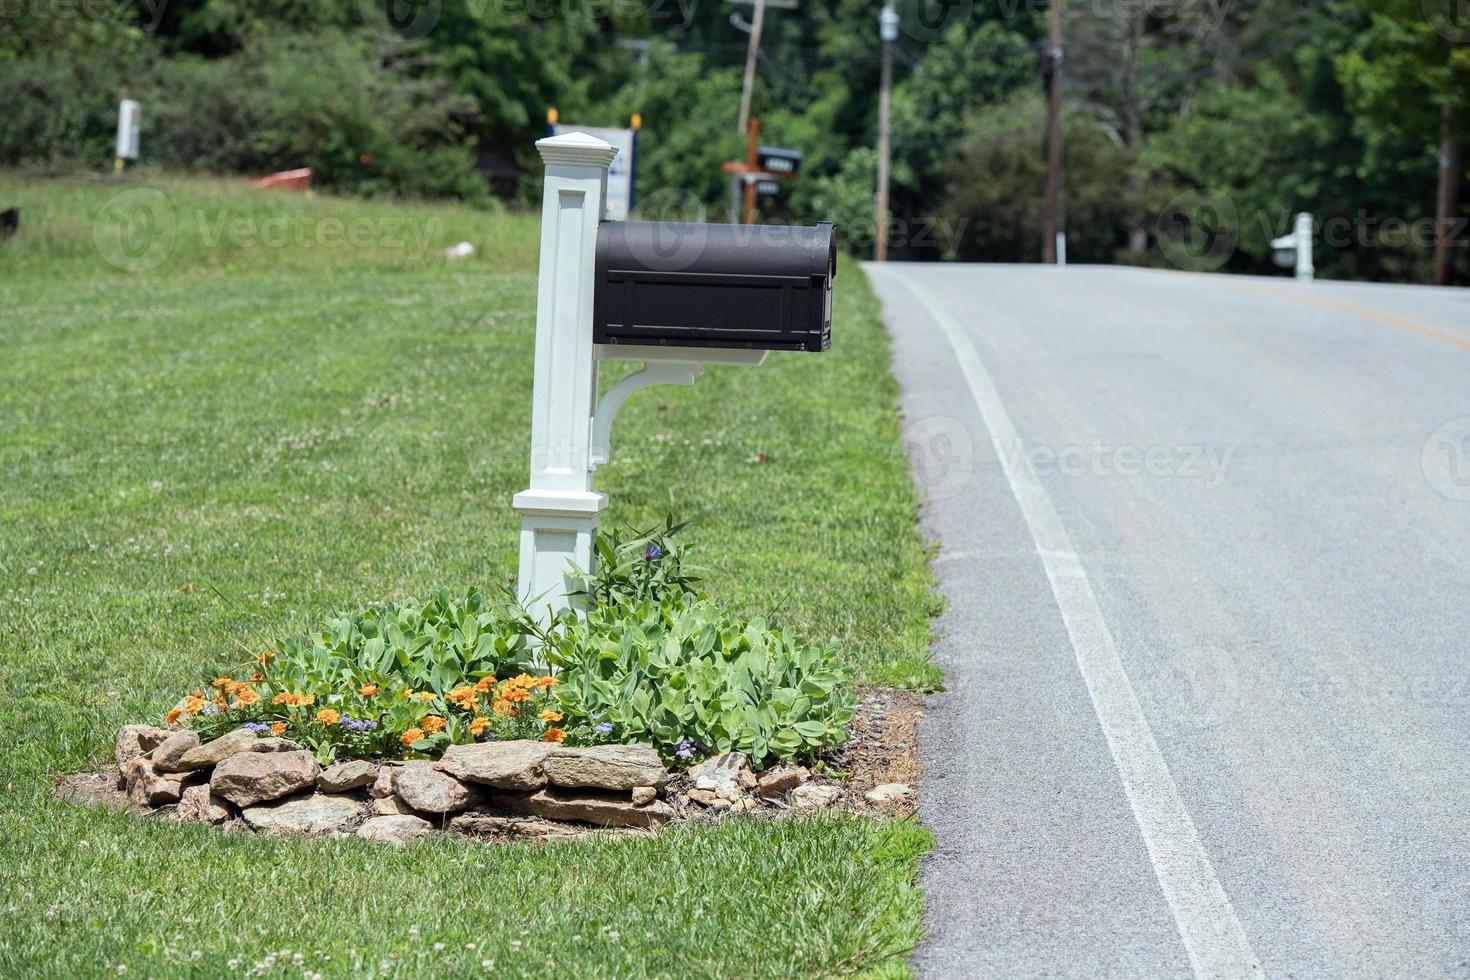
point(272, 422)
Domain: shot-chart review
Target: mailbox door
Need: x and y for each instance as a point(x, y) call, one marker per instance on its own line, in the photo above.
point(714, 285)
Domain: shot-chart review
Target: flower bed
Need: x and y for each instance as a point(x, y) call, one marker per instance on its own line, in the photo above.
point(495, 791)
point(442, 709)
point(652, 660)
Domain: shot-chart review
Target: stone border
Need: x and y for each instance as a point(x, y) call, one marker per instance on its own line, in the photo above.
point(516, 790)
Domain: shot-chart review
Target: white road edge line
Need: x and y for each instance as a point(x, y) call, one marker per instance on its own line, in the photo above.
point(1212, 934)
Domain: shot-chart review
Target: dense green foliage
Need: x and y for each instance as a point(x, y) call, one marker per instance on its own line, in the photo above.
point(689, 678)
point(650, 661)
point(203, 455)
point(1177, 110)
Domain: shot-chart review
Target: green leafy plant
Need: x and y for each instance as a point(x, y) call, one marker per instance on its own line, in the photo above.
point(652, 661)
point(435, 646)
point(691, 678)
point(633, 565)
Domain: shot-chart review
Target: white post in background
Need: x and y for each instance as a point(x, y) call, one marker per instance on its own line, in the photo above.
point(1304, 267)
point(129, 125)
point(559, 512)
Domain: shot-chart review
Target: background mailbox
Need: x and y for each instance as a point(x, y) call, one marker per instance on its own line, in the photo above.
point(777, 160)
point(767, 287)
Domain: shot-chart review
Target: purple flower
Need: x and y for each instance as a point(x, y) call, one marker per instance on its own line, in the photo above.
point(257, 727)
point(603, 729)
point(654, 553)
point(685, 749)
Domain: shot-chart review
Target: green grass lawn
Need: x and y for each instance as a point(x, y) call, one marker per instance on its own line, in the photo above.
point(256, 408)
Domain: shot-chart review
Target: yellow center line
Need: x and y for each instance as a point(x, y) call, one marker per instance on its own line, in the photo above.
point(1453, 340)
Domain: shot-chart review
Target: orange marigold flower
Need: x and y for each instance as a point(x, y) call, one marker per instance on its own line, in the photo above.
point(266, 657)
point(515, 694)
point(485, 684)
point(412, 735)
point(327, 716)
point(368, 690)
point(547, 681)
point(549, 715)
point(279, 728)
point(282, 698)
point(194, 704)
point(432, 724)
point(479, 725)
point(553, 735)
point(173, 716)
point(246, 698)
point(424, 696)
point(306, 700)
point(222, 682)
point(504, 708)
point(257, 677)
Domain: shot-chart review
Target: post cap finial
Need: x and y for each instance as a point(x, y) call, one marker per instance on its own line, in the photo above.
point(576, 148)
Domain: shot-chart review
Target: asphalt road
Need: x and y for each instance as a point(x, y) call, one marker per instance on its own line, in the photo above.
point(1205, 542)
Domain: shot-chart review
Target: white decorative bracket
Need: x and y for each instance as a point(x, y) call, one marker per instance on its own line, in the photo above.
point(674, 373)
point(661, 366)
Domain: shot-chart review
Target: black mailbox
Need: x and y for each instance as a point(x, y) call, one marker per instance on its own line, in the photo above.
point(766, 287)
point(775, 160)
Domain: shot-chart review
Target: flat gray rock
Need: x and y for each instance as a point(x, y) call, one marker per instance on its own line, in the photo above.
point(344, 776)
point(318, 813)
point(600, 807)
point(504, 765)
point(398, 830)
point(611, 767)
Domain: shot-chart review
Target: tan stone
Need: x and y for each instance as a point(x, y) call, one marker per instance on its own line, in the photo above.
point(147, 787)
point(504, 765)
point(400, 829)
point(255, 777)
point(425, 788)
point(212, 753)
point(477, 823)
point(198, 805)
point(344, 776)
point(317, 813)
point(813, 796)
point(775, 783)
point(610, 767)
point(166, 757)
point(135, 740)
point(602, 808)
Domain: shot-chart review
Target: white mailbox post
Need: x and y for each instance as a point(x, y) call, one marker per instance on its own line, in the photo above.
point(1297, 248)
point(559, 511)
point(129, 126)
point(656, 292)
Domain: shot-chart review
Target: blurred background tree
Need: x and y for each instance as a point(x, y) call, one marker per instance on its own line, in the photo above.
point(1338, 107)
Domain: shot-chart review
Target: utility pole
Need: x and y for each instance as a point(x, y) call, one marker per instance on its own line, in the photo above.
point(887, 34)
point(751, 52)
point(1052, 233)
point(1447, 201)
